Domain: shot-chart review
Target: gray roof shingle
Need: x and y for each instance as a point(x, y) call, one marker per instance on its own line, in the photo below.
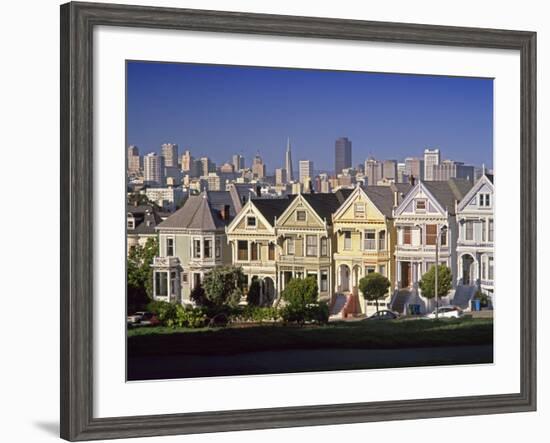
point(448, 192)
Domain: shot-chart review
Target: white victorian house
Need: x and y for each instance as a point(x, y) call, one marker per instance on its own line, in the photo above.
point(475, 216)
point(426, 224)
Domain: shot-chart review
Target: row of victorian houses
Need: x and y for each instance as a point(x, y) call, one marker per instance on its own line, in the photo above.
point(336, 238)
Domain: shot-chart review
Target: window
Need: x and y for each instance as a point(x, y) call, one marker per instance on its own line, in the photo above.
point(369, 270)
point(484, 267)
point(196, 248)
point(271, 252)
point(483, 231)
point(208, 248)
point(184, 277)
point(485, 200)
point(311, 245)
point(301, 216)
point(491, 230)
point(347, 240)
point(469, 230)
point(218, 247)
point(254, 251)
point(242, 250)
point(130, 223)
point(431, 234)
point(382, 270)
point(251, 222)
point(290, 246)
point(382, 240)
point(173, 283)
point(407, 235)
point(359, 210)
point(370, 240)
point(161, 284)
point(324, 247)
point(324, 281)
point(420, 205)
point(443, 237)
point(491, 270)
point(170, 247)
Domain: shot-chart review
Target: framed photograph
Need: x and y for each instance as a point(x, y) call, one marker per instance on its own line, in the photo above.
point(273, 221)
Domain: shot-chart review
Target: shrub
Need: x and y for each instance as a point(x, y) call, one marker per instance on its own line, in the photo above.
point(188, 317)
point(301, 292)
point(256, 314)
point(253, 295)
point(444, 282)
point(223, 286)
point(374, 286)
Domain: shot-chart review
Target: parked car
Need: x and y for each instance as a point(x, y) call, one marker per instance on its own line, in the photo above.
point(446, 312)
point(149, 319)
point(384, 314)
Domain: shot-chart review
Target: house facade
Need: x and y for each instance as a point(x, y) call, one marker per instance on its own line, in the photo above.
point(252, 239)
point(306, 242)
point(425, 220)
point(141, 223)
point(475, 246)
point(365, 239)
point(192, 241)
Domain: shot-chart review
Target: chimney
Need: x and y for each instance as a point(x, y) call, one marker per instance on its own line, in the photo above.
point(225, 213)
point(411, 179)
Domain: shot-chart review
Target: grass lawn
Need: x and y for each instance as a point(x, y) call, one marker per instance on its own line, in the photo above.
point(343, 335)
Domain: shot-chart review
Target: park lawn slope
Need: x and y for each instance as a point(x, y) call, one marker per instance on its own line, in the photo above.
point(339, 335)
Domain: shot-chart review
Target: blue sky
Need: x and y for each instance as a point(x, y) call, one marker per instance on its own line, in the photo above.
point(217, 111)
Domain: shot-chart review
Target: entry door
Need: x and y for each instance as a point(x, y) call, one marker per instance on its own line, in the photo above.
point(405, 274)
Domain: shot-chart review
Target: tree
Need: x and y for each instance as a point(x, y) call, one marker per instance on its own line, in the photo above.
point(139, 273)
point(374, 286)
point(301, 292)
point(444, 282)
point(223, 286)
point(138, 199)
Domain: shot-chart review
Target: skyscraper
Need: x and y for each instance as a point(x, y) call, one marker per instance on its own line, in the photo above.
point(450, 169)
point(153, 169)
point(187, 162)
point(280, 176)
point(389, 170)
point(432, 157)
point(170, 153)
point(415, 167)
point(238, 162)
point(373, 170)
point(134, 160)
point(258, 166)
point(288, 162)
point(306, 171)
point(342, 155)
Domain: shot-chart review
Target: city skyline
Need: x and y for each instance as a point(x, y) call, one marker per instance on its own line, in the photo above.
point(215, 129)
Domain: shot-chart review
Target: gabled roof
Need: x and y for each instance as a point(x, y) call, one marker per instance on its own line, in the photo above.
point(327, 204)
point(203, 211)
point(272, 208)
point(382, 197)
point(478, 185)
point(146, 217)
point(447, 193)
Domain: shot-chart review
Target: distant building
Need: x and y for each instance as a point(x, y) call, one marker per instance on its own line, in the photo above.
point(280, 176)
point(134, 160)
point(448, 169)
point(238, 162)
point(258, 167)
point(187, 162)
point(373, 170)
point(167, 198)
point(153, 169)
point(415, 167)
point(170, 153)
point(432, 157)
point(401, 173)
point(207, 166)
point(389, 170)
point(288, 162)
point(173, 173)
point(342, 154)
point(306, 171)
point(227, 168)
point(214, 182)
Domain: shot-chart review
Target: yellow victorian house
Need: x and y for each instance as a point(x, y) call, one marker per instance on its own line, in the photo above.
point(365, 239)
point(305, 240)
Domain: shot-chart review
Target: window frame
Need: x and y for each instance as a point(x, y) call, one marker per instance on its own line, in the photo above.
point(367, 240)
point(301, 211)
point(314, 245)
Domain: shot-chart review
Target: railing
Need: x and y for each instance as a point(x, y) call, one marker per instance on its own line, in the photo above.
point(166, 262)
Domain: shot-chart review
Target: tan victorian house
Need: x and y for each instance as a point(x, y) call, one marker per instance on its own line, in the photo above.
point(365, 239)
point(253, 242)
point(305, 240)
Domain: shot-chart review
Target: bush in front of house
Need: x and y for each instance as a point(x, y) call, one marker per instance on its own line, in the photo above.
point(255, 314)
point(175, 315)
point(301, 305)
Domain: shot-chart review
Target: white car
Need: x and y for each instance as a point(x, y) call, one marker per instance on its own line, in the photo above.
point(446, 312)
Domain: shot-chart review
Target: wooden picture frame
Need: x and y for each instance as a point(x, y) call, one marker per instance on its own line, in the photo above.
point(77, 217)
